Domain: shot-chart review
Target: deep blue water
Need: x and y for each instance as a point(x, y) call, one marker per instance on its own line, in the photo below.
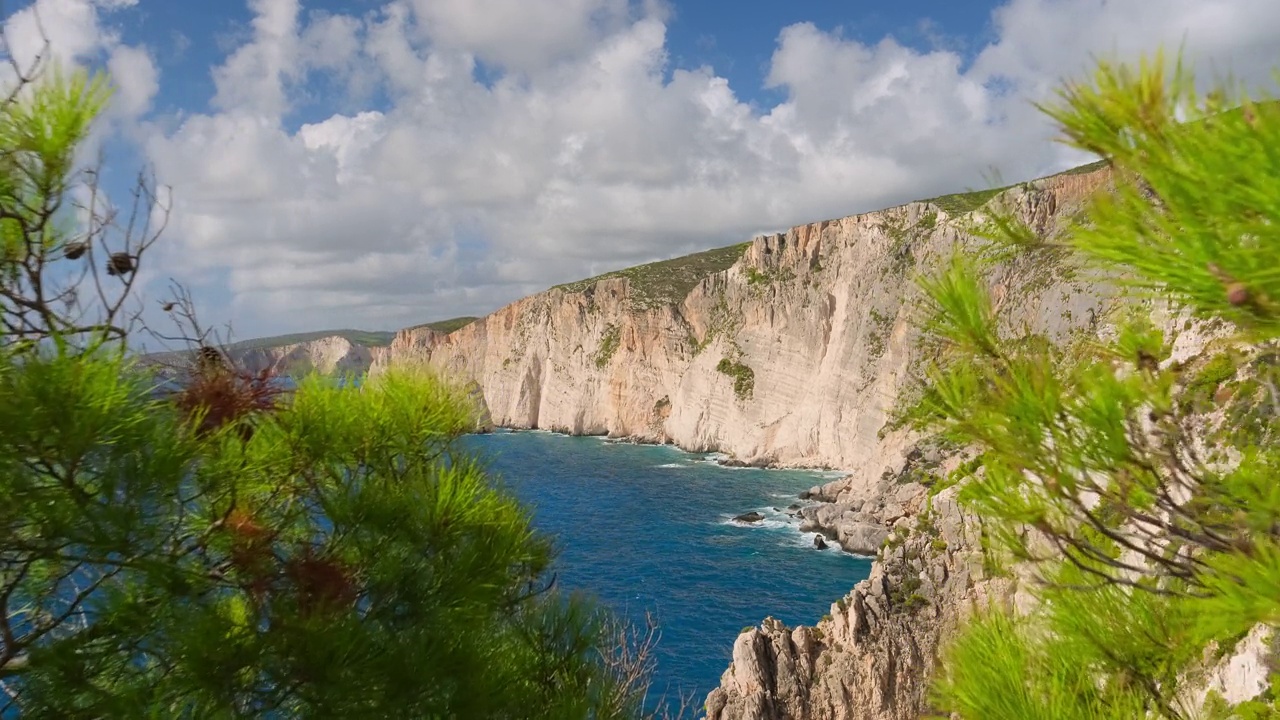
point(646, 528)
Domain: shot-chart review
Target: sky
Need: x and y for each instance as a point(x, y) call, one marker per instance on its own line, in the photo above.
point(376, 164)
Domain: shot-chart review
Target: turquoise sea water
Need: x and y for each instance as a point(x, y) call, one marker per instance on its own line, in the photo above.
point(647, 528)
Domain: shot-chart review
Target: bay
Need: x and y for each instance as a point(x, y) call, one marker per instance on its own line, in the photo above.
point(650, 529)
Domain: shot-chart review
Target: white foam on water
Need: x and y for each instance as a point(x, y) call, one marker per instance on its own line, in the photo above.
point(681, 466)
point(766, 524)
point(786, 528)
point(722, 466)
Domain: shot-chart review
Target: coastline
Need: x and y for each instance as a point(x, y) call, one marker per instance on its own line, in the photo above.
point(729, 460)
point(859, 534)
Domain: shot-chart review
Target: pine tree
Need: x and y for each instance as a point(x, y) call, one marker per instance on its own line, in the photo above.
point(1142, 491)
point(229, 550)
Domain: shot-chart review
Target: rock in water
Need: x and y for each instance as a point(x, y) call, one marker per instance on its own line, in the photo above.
point(751, 517)
point(819, 543)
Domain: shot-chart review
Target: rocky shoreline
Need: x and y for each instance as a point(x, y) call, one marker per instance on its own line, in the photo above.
point(872, 656)
point(855, 527)
point(858, 526)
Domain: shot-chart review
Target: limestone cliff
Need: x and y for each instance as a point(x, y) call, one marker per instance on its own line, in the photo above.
point(333, 355)
point(793, 356)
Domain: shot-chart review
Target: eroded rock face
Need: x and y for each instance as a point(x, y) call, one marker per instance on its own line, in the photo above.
point(794, 356)
point(871, 657)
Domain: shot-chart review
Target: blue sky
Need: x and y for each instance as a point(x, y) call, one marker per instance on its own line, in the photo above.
point(735, 38)
point(379, 163)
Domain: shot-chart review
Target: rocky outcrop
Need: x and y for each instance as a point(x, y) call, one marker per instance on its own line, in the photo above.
point(870, 658)
point(334, 355)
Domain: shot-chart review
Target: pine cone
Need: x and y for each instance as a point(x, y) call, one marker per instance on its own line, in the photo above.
point(120, 264)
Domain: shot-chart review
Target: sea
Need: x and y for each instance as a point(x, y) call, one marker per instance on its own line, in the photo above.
point(650, 529)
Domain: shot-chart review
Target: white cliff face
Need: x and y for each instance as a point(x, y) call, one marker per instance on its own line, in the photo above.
point(332, 355)
point(812, 326)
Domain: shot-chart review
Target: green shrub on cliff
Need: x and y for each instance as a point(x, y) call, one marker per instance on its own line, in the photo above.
point(744, 378)
point(222, 550)
point(1151, 547)
point(609, 341)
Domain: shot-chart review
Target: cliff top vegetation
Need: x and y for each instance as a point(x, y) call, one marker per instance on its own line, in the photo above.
point(667, 282)
point(446, 326)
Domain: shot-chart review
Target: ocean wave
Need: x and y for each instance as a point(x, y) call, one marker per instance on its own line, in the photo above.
point(682, 466)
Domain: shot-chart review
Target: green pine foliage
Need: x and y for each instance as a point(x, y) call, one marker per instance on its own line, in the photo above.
point(229, 550)
point(1123, 479)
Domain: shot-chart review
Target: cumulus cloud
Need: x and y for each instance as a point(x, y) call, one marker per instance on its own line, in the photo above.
point(70, 27)
point(253, 78)
point(519, 35)
point(1043, 41)
point(73, 33)
point(136, 79)
point(510, 152)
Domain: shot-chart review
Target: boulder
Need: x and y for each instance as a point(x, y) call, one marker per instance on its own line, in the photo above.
point(862, 538)
point(750, 517)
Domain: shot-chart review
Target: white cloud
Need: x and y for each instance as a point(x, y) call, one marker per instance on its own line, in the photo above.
point(253, 78)
point(591, 153)
point(1043, 41)
point(70, 26)
point(72, 33)
point(136, 79)
point(520, 35)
